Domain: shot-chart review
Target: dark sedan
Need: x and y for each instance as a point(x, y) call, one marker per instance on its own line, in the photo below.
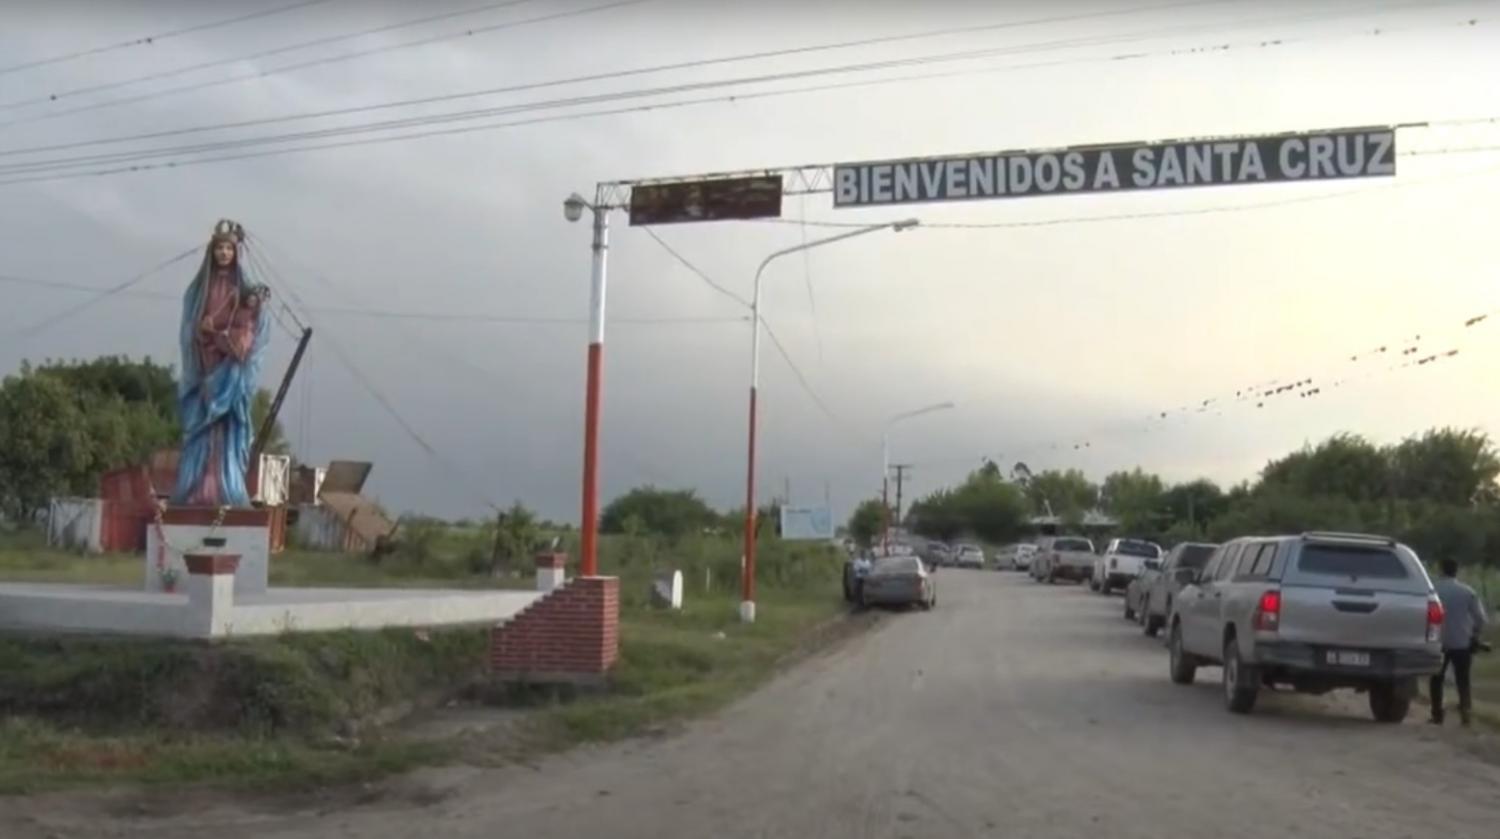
point(898, 581)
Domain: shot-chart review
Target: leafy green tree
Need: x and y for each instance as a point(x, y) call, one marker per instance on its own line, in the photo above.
point(45, 445)
point(1066, 492)
point(1447, 465)
point(1344, 465)
point(1137, 499)
point(866, 521)
point(517, 536)
point(1195, 503)
point(984, 505)
point(62, 423)
point(671, 513)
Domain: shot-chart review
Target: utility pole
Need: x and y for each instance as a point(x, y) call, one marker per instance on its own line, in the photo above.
point(901, 470)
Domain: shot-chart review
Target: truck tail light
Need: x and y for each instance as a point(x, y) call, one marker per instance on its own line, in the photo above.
point(1268, 611)
point(1434, 618)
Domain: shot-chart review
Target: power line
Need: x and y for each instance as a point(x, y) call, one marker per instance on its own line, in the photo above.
point(317, 62)
point(345, 359)
point(472, 114)
point(693, 268)
point(103, 294)
point(147, 40)
point(64, 163)
point(770, 333)
point(812, 303)
point(440, 317)
point(593, 77)
point(1265, 391)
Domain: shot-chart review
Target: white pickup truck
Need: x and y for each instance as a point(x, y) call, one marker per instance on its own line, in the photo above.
point(1122, 562)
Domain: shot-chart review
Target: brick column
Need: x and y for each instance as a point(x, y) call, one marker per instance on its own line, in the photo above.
point(551, 570)
point(571, 635)
point(210, 591)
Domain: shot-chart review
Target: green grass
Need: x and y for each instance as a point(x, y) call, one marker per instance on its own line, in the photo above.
point(676, 664)
point(294, 709)
point(278, 712)
point(36, 755)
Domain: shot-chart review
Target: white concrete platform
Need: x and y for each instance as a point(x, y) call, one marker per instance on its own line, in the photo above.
point(199, 613)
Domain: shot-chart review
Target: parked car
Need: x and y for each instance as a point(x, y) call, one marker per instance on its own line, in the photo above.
point(1063, 558)
point(968, 556)
point(1313, 612)
point(1014, 557)
point(935, 554)
point(899, 581)
point(1121, 562)
point(1148, 598)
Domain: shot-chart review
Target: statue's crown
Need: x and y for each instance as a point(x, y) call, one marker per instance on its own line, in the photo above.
point(230, 230)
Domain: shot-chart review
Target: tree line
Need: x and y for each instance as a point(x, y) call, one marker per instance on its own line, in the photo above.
point(64, 423)
point(1436, 491)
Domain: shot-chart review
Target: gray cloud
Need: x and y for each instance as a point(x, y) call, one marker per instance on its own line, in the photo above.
point(1074, 332)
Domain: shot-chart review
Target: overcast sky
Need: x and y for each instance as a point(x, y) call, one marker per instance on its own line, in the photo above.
point(1046, 337)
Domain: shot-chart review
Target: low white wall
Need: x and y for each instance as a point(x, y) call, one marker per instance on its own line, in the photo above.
point(346, 609)
point(72, 609)
point(214, 612)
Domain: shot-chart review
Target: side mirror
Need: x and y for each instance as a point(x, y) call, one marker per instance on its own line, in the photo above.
point(1153, 565)
point(1187, 576)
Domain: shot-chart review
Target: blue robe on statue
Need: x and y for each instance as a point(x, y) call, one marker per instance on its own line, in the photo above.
point(214, 404)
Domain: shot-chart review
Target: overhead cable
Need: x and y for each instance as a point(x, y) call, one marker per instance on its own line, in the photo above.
point(158, 37)
point(302, 65)
point(55, 169)
point(603, 76)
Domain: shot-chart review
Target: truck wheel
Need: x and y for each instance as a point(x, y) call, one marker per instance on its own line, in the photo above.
point(1129, 612)
point(1151, 625)
point(1184, 668)
point(1241, 681)
point(1389, 702)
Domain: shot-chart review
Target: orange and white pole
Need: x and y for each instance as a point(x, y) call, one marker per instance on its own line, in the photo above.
point(747, 568)
point(589, 561)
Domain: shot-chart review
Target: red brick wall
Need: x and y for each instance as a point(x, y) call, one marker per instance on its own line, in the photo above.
point(573, 631)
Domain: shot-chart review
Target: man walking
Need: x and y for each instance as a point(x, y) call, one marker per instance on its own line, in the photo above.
point(1463, 620)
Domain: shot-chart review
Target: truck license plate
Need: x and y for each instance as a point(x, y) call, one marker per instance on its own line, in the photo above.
point(1350, 658)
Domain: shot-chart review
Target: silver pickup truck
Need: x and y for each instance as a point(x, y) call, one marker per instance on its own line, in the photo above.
point(1063, 558)
point(1312, 613)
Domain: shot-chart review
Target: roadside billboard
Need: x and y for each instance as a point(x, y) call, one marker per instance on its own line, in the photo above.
point(806, 523)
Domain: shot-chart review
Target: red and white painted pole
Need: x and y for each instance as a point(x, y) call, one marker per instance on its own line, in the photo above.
point(589, 523)
point(747, 569)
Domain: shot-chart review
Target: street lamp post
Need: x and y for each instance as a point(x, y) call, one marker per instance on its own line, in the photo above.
point(747, 571)
point(885, 466)
point(573, 207)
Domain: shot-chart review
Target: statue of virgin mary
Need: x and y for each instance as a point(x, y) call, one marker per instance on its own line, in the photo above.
point(223, 335)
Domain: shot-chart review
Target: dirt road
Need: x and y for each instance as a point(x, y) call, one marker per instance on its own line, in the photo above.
point(1014, 709)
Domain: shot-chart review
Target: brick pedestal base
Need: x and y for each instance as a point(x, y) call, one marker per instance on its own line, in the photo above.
point(569, 636)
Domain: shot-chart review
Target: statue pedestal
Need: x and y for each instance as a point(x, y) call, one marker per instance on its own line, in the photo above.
point(208, 530)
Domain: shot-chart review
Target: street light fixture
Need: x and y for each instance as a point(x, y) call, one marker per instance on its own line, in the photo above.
point(885, 466)
point(573, 207)
point(747, 571)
